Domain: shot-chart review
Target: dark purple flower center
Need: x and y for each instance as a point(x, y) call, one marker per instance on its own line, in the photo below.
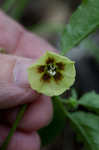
point(51, 70)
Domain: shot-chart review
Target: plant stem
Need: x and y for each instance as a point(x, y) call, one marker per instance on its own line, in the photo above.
point(18, 118)
point(76, 124)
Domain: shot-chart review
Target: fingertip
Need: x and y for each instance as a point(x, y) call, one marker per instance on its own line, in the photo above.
point(14, 85)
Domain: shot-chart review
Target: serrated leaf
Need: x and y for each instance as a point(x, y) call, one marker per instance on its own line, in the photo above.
point(91, 101)
point(49, 133)
point(84, 21)
point(89, 129)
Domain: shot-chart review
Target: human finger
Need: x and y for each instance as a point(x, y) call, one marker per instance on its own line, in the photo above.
point(20, 140)
point(14, 86)
point(16, 40)
point(38, 114)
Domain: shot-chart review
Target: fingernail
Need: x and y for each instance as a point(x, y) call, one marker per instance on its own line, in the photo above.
point(20, 71)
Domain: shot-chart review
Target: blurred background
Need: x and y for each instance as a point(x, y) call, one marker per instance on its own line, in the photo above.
point(45, 17)
point(48, 18)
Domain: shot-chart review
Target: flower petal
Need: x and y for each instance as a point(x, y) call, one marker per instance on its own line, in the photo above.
point(34, 78)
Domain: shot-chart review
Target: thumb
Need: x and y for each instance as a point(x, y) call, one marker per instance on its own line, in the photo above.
point(14, 86)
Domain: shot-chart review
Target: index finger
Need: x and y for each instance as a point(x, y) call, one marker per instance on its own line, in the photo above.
point(16, 40)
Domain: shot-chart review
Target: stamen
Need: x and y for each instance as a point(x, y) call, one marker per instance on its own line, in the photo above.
point(51, 69)
point(52, 73)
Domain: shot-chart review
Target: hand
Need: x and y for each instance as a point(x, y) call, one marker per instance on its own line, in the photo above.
point(14, 86)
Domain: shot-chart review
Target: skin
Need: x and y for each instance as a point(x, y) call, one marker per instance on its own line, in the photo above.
point(22, 48)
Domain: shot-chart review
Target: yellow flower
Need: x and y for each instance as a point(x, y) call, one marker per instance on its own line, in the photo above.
point(52, 74)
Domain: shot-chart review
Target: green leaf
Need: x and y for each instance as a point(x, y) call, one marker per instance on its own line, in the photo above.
point(84, 21)
point(91, 101)
point(89, 129)
point(49, 133)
